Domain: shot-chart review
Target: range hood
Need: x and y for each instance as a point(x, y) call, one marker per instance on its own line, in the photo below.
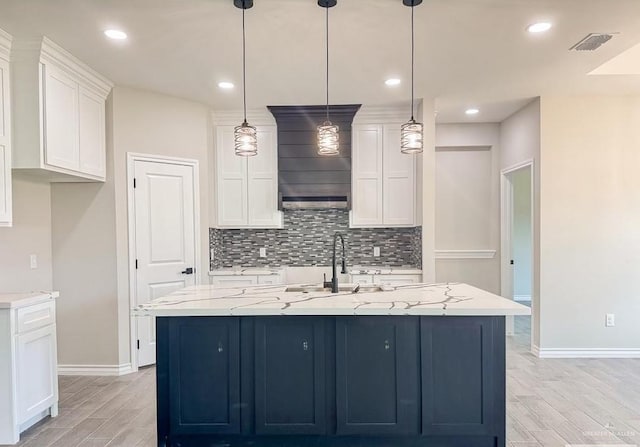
point(307, 180)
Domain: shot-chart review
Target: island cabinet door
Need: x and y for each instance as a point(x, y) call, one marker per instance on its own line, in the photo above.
point(204, 379)
point(377, 375)
point(462, 375)
point(290, 376)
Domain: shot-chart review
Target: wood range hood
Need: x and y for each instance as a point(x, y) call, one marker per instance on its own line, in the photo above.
point(307, 180)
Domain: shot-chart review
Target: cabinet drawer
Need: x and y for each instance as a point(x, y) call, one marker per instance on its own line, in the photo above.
point(36, 316)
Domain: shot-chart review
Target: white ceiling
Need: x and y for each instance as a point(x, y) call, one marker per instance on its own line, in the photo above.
point(469, 52)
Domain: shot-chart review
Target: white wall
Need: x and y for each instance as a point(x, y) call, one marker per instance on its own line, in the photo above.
point(150, 123)
point(519, 143)
point(467, 202)
point(91, 227)
point(30, 234)
point(521, 235)
point(590, 222)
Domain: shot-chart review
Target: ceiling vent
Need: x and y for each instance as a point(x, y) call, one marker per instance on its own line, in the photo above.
point(592, 42)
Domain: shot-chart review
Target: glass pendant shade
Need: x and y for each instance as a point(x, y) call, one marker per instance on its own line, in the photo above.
point(411, 140)
point(328, 139)
point(245, 140)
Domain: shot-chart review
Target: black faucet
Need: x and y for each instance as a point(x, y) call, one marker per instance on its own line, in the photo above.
point(334, 281)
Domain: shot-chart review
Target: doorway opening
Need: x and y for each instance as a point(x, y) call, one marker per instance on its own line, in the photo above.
point(517, 187)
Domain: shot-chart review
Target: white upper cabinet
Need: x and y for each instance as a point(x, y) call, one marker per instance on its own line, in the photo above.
point(59, 105)
point(383, 178)
point(247, 187)
point(366, 175)
point(5, 132)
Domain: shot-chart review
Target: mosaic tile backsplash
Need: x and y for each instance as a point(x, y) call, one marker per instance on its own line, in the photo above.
point(306, 239)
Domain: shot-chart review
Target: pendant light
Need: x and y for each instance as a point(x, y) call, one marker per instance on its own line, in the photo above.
point(245, 136)
point(411, 140)
point(328, 136)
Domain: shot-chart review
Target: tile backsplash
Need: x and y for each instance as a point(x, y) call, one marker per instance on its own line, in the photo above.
point(306, 240)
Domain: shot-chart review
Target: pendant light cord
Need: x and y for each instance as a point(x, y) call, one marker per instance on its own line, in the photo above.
point(244, 68)
point(412, 60)
point(327, 41)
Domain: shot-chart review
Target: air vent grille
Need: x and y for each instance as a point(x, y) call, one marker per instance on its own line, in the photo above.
point(592, 42)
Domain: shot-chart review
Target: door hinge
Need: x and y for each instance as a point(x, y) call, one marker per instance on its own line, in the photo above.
point(136, 264)
point(138, 344)
point(134, 182)
point(511, 262)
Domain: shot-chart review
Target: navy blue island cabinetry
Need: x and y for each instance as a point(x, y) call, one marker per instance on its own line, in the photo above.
point(331, 381)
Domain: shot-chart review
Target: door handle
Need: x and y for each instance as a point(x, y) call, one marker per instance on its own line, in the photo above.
point(188, 271)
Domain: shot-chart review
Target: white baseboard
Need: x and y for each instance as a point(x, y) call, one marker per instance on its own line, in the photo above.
point(553, 353)
point(95, 370)
point(521, 297)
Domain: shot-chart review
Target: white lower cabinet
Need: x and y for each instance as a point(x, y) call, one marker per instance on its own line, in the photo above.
point(247, 279)
point(387, 280)
point(28, 363)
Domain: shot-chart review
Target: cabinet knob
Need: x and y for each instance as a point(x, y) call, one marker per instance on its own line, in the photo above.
point(305, 345)
point(387, 345)
point(220, 348)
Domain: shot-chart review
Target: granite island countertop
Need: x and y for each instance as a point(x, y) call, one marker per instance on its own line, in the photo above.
point(448, 299)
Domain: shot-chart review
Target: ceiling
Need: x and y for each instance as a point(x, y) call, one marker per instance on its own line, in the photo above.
point(468, 52)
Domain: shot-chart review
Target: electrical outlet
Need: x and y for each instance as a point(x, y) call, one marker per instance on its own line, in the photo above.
point(212, 255)
point(376, 251)
point(263, 252)
point(611, 320)
point(33, 261)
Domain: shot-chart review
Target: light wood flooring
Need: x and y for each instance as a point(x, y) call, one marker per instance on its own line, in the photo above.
point(550, 403)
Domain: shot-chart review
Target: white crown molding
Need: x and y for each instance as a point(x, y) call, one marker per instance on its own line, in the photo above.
point(382, 115)
point(255, 117)
point(5, 44)
point(53, 53)
point(95, 370)
point(465, 254)
point(581, 353)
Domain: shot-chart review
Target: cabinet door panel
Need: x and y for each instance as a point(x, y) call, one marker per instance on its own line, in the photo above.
point(232, 180)
point(367, 175)
point(290, 376)
point(37, 372)
point(204, 384)
point(5, 186)
point(458, 388)
point(61, 142)
point(233, 281)
point(377, 379)
point(399, 181)
point(263, 180)
point(92, 133)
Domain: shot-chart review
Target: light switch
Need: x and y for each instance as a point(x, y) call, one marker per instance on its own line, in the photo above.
point(376, 251)
point(33, 261)
point(263, 252)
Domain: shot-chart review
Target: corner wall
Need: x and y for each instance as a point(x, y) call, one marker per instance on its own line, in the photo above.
point(590, 225)
point(30, 234)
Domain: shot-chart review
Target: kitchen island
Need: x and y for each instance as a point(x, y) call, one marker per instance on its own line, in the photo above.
point(415, 365)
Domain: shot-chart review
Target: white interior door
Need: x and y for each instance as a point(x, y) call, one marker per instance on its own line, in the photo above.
point(165, 240)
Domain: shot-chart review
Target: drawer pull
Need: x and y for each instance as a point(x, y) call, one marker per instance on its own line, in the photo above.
point(305, 345)
point(220, 348)
point(387, 345)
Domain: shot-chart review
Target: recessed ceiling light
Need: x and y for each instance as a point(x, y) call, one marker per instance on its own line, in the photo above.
point(225, 85)
point(115, 34)
point(392, 82)
point(539, 27)
point(472, 111)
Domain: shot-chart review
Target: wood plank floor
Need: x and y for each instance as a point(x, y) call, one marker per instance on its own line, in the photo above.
point(550, 403)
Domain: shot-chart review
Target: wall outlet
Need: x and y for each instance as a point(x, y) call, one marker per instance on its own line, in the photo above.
point(212, 255)
point(376, 251)
point(33, 261)
point(263, 252)
point(610, 320)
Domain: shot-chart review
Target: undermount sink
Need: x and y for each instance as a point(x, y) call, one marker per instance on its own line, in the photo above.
point(355, 288)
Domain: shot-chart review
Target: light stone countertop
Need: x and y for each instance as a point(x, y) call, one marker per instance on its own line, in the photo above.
point(410, 299)
point(14, 300)
point(245, 271)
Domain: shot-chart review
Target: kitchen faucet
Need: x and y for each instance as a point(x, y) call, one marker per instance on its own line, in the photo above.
point(334, 281)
